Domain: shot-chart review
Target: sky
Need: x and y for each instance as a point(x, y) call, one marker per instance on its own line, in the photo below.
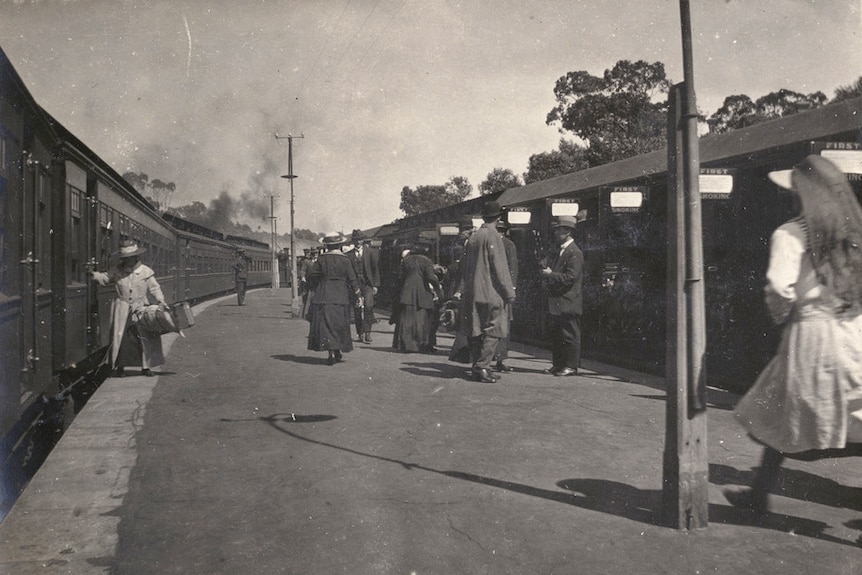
point(379, 94)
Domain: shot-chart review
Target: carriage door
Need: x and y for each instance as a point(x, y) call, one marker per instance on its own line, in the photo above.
point(36, 346)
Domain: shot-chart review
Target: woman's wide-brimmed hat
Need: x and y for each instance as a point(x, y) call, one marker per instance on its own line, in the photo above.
point(332, 239)
point(813, 169)
point(128, 249)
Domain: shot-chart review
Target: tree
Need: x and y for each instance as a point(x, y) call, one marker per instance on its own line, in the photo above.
point(162, 192)
point(138, 180)
point(615, 114)
point(427, 198)
point(570, 157)
point(739, 111)
point(194, 212)
point(499, 179)
point(854, 90)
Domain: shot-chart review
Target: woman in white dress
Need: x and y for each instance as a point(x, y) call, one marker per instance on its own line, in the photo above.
point(807, 403)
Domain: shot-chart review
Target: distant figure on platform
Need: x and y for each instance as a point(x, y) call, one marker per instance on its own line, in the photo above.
point(484, 289)
point(335, 289)
point(563, 280)
point(416, 291)
point(136, 287)
point(309, 257)
point(807, 402)
point(366, 263)
point(240, 275)
point(512, 260)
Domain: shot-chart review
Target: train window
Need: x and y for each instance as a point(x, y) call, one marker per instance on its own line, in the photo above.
point(76, 231)
point(3, 158)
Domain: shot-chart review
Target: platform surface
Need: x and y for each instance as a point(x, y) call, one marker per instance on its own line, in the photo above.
point(247, 454)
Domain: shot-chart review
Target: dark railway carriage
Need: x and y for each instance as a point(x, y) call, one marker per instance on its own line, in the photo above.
point(63, 213)
point(27, 143)
point(622, 210)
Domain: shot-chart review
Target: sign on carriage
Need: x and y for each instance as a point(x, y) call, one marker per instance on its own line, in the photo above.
point(846, 155)
point(518, 216)
point(627, 199)
point(716, 183)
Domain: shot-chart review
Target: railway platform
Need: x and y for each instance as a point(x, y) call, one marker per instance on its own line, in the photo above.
point(247, 454)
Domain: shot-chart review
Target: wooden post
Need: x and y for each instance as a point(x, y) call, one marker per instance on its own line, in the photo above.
point(685, 502)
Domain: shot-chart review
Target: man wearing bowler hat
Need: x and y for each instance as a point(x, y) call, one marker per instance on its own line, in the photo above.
point(563, 279)
point(485, 287)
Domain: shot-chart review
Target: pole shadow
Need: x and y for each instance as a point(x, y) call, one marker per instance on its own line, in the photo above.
point(601, 495)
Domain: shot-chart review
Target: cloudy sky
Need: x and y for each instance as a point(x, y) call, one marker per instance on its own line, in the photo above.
point(386, 93)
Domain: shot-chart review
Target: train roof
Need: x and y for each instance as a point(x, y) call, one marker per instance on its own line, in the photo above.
point(759, 144)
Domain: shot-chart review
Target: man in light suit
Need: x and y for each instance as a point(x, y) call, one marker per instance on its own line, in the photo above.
point(563, 280)
point(366, 263)
point(485, 287)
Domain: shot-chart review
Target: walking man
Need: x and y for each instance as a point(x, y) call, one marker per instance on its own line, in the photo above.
point(240, 275)
point(485, 288)
point(563, 279)
point(366, 263)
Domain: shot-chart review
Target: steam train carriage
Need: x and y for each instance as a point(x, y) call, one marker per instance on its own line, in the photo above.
point(622, 213)
point(63, 213)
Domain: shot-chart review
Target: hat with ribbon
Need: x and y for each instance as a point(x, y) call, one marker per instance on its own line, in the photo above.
point(564, 222)
point(129, 248)
point(333, 239)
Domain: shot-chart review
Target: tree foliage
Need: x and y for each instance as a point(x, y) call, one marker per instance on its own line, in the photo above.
point(854, 90)
point(569, 157)
point(738, 111)
point(614, 113)
point(499, 179)
point(427, 198)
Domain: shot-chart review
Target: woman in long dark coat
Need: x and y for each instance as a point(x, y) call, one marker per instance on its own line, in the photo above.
point(417, 291)
point(335, 289)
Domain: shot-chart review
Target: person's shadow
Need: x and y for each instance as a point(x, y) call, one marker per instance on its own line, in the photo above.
point(306, 359)
point(435, 369)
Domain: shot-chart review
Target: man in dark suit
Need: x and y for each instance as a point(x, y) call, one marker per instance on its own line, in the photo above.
point(240, 275)
point(366, 263)
point(563, 279)
point(512, 260)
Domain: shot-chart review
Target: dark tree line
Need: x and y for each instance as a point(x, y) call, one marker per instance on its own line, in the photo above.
point(620, 114)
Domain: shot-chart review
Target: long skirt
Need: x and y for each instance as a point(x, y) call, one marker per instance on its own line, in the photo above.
point(329, 327)
point(806, 396)
point(412, 329)
point(139, 348)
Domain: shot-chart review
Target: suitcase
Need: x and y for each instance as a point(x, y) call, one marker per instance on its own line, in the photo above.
point(183, 315)
point(154, 320)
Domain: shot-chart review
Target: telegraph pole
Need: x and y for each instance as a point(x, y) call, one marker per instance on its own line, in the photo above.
point(294, 292)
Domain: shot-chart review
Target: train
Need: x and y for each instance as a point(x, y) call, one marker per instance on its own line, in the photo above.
point(63, 212)
point(622, 210)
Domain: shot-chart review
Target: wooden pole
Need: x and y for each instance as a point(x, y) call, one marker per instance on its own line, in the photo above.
point(685, 497)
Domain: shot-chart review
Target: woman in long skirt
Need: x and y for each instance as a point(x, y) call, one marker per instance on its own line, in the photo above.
point(335, 289)
point(136, 286)
point(418, 289)
point(806, 403)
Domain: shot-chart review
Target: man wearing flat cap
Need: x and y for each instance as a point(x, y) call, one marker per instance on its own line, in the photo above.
point(563, 279)
point(485, 288)
point(366, 263)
